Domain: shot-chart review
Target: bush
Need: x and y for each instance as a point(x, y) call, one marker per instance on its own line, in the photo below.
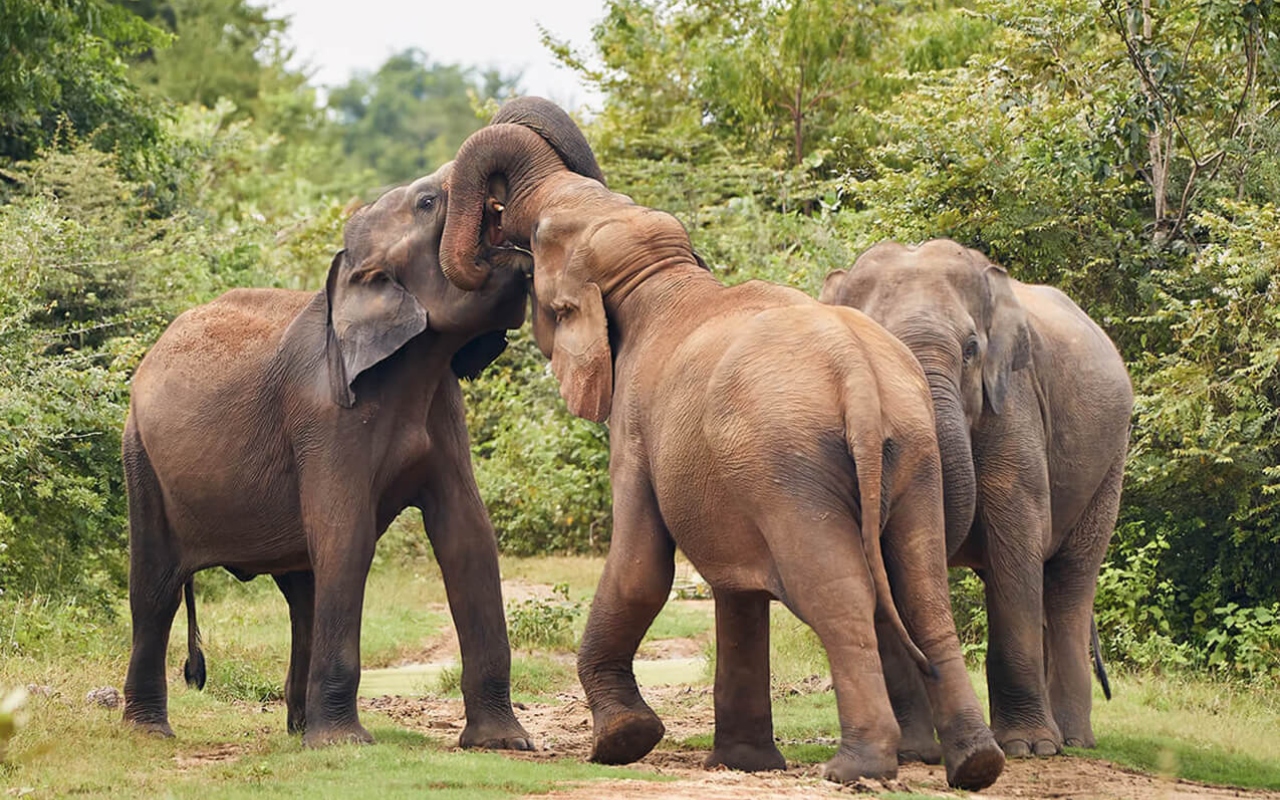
point(539, 623)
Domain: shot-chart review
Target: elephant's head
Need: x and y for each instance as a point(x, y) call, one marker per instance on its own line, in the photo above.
point(957, 313)
point(591, 247)
point(386, 287)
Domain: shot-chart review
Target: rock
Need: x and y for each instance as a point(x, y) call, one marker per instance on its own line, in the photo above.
point(105, 696)
point(39, 690)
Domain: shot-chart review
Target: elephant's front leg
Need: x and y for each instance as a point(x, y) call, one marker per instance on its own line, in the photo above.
point(465, 546)
point(744, 715)
point(1014, 580)
point(299, 590)
point(633, 588)
point(341, 539)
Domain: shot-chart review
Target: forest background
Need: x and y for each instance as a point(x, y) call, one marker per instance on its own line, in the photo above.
point(154, 154)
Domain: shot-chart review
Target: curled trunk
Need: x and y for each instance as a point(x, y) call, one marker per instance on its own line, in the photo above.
point(556, 127)
point(524, 159)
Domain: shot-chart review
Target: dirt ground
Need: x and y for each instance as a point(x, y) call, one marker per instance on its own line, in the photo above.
point(563, 730)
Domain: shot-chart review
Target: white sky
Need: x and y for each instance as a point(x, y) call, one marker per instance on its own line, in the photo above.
point(334, 39)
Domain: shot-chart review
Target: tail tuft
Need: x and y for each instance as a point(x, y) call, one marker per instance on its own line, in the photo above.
point(1099, 668)
point(193, 669)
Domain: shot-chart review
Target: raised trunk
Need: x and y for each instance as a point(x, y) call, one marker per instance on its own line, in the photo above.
point(513, 151)
point(551, 122)
point(959, 485)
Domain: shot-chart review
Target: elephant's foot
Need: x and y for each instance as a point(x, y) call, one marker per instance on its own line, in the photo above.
point(848, 765)
point(353, 733)
point(919, 750)
point(158, 729)
point(496, 734)
point(1078, 735)
point(627, 736)
point(1029, 742)
point(975, 763)
point(746, 757)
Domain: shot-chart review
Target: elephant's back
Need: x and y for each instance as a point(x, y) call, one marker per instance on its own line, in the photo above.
point(1074, 350)
point(206, 379)
point(222, 341)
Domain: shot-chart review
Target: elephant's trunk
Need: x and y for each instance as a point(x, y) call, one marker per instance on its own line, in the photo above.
point(559, 130)
point(959, 485)
point(520, 155)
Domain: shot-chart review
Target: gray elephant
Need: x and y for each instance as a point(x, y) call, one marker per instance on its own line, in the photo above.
point(280, 432)
point(1032, 405)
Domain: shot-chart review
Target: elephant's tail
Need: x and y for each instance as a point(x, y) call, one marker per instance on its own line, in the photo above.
point(193, 668)
point(1099, 668)
point(867, 448)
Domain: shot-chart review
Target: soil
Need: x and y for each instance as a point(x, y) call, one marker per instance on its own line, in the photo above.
point(563, 730)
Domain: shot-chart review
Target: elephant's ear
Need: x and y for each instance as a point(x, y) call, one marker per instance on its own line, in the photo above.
point(1008, 339)
point(477, 354)
point(370, 316)
point(831, 286)
point(580, 355)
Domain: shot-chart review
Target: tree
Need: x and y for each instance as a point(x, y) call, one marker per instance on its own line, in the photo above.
point(411, 115)
point(222, 49)
point(63, 65)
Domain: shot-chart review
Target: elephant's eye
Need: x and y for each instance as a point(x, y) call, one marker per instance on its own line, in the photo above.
point(561, 310)
point(970, 350)
point(425, 202)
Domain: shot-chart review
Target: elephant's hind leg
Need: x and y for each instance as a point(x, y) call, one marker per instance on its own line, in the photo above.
point(299, 590)
point(744, 716)
point(155, 590)
point(828, 586)
point(1071, 580)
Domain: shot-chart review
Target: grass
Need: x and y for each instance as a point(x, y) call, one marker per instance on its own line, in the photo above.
point(231, 744)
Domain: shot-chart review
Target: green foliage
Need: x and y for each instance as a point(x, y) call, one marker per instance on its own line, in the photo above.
point(221, 50)
point(62, 66)
point(544, 623)
point(410, 116)
point(969, 608)
point(542, 472)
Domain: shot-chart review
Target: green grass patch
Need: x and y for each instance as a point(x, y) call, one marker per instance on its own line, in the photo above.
point(1174, 758)
point(533, 678)
point(684, 619)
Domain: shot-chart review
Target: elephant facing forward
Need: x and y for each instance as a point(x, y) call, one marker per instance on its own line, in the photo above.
point(770, 462)
point(280, 432)
point(1032, 403)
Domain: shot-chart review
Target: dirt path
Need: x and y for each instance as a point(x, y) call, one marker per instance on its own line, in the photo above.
point(563, 730)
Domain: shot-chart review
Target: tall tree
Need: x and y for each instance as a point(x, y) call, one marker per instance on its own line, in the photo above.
point(62, 65)
point(222, 49)
point(411, 115)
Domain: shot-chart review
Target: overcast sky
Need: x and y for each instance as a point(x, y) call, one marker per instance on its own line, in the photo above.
point(336, 38)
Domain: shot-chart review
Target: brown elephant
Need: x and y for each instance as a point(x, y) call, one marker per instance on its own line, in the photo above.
point(281, 432)
point(780, 468)
point(1032, 402)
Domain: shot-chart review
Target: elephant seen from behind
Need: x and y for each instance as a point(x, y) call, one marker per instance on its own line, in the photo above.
point(280, 432)
point(1032, 403)
point(787, 448)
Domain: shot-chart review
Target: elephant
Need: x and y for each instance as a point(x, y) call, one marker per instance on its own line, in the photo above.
point(1033, 404)
point(280, 432)
point(782, 471)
